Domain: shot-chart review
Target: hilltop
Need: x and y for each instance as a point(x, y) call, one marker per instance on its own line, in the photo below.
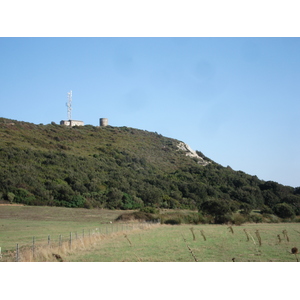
point(121, 168)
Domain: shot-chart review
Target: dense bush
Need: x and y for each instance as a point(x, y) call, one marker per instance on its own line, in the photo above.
point(221, 210)
point(270, 218)
point(125, 168)
point(284, 210)
point(256, 218)
point(223, 219)
point(150, 210)
point(172, 222)
point(239, 219)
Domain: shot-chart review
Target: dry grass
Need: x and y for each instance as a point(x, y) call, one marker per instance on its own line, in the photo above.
point(64, 248)
point(19, 224)
point(47, 213)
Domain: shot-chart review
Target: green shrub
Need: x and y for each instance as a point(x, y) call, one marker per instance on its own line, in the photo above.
point(255, 218)
point(245, 208)
point(215, 207)
point(207, 219)
point(183, 217)
point(238, 219)
point(10, 197)
point(192, 218)
point(270, 218)
point(266, 210)
point(149, 209)
point(223, 219)
point(284, 210)
point(297, 219)
point(77, 201)
point(129, 202)
point(172, 222)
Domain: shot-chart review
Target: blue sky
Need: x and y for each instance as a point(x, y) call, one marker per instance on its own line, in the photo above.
point(237, 100)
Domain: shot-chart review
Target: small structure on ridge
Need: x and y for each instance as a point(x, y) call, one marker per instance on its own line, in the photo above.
point(70, 122)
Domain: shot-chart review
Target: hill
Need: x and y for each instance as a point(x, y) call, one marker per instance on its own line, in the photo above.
point(122, 168)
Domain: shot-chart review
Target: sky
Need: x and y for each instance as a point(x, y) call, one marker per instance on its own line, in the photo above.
point(237, 100)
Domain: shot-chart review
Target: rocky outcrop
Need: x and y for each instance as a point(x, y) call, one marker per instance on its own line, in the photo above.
point(191, 153)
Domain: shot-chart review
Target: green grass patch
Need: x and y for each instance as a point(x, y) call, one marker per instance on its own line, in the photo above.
point(169, 244)
point(140, 242)
point(19, 224)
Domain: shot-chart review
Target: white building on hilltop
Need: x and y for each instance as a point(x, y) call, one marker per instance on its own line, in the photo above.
point(71, 123)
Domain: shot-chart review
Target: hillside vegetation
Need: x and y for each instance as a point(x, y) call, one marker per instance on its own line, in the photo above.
point(125, 168)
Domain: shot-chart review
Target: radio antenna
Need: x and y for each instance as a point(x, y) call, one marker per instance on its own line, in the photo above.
point(69, 105)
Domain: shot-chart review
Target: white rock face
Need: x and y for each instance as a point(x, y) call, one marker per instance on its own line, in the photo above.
point(191, 153)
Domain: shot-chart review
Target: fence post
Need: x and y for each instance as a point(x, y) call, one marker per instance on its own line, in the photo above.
point(59, 243)
point(83, 233)
point(49, 240)
point(33, 246)
point(70, 240)
point(17, 253)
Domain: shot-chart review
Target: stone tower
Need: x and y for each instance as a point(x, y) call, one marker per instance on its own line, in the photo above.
point(103, 121)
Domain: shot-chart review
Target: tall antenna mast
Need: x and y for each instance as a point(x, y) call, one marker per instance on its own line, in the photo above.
point(69, 105)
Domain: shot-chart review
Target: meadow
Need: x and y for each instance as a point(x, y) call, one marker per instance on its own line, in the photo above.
point(167, 243)
point(95, 239)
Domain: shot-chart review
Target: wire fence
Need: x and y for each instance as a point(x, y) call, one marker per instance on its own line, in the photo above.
point(55, 247)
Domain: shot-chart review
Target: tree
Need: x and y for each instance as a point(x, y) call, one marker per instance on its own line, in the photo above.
point(284, 210)
point(246, 208)
point(294, 202)
point(219, 209)
point(114, 198)
point(10, 197)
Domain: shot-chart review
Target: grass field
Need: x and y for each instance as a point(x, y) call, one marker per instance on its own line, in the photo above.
point(137, 243)
point(19, 224)
point(167, 243)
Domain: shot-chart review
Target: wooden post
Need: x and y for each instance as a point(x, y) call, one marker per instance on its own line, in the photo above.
point(70, 240)
point(59, 243)
point(33, 246)
point(49, 240)
point(17, 253)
